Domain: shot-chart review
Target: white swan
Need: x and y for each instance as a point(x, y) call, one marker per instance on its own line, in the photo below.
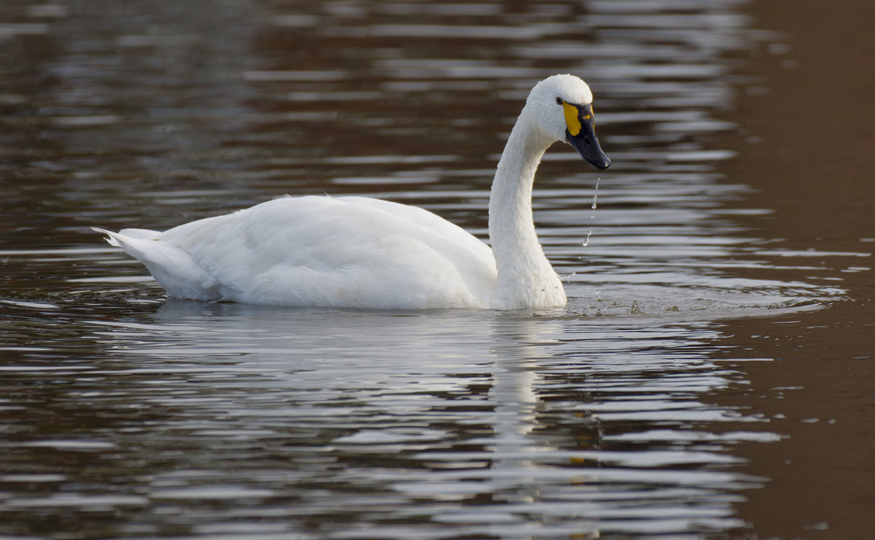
point(361, 252)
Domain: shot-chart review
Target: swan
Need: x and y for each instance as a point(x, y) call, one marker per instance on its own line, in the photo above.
point(368, 253)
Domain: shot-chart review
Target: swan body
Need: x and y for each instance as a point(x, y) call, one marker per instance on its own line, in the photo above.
point(369, 253)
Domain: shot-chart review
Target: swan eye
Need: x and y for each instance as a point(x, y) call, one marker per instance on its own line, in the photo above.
point(558, 100)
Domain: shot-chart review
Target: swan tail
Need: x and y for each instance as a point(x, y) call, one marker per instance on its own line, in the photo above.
point(110, 237)
point(170, 265)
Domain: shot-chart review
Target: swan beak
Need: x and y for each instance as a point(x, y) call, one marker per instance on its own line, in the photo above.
point(581, 135)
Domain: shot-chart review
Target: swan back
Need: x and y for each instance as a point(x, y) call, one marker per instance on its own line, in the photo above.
point(320, 251)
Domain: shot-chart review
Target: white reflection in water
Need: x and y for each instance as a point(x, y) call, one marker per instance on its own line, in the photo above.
point(481, 422)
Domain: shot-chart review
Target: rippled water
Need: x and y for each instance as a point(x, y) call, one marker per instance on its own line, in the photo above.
point(128, 415)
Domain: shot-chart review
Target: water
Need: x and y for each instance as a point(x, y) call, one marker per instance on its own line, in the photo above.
point(196, 419)
point(125, 414)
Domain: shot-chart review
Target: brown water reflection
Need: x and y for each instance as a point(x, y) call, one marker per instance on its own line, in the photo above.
point(815, 171)
point(633, 414)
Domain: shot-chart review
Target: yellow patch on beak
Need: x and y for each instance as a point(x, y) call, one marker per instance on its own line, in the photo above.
point(571, 119)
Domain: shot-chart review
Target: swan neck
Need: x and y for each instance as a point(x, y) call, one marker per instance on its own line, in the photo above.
point(519, 258)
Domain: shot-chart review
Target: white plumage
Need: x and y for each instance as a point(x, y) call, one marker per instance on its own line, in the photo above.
point(362, 252)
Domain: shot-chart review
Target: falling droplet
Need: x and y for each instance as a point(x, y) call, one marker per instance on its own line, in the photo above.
point(595, 197)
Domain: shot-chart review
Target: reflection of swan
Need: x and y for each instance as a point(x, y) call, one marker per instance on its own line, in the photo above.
point(359, 252)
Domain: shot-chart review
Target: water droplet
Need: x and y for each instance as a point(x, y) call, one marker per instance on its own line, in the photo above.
point(595, 197)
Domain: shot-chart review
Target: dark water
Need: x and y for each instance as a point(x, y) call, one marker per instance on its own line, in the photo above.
point(124, 414)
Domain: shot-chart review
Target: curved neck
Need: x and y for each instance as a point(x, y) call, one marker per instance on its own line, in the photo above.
point(519, 258)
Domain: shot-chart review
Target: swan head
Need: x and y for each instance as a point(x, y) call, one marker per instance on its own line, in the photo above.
point(563, 104)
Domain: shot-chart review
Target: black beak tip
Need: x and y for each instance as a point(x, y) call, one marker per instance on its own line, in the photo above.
point(603, 163)
point(597, 158)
